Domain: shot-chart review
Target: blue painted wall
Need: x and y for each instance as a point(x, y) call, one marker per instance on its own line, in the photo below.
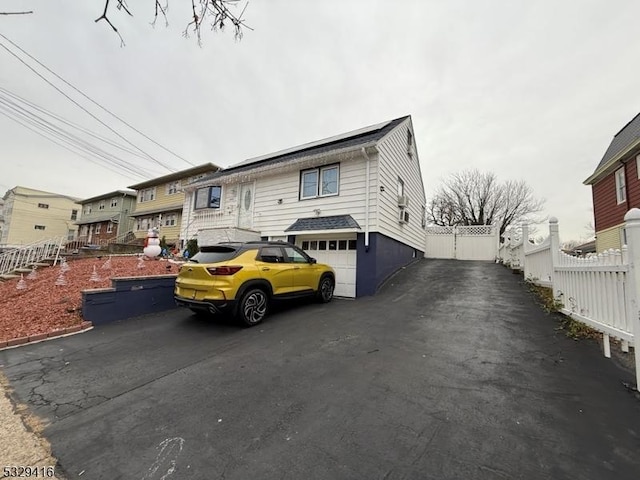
point(383, 258)
point(128, 297)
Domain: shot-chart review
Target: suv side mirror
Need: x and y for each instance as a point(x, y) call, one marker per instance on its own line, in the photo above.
point(312, 260)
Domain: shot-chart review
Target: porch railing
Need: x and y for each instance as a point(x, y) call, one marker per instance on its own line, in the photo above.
point(27, 255)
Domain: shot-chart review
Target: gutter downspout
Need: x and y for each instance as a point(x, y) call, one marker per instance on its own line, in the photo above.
point(366, 199)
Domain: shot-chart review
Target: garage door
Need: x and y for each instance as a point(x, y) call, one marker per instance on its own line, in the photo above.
point(340, 254)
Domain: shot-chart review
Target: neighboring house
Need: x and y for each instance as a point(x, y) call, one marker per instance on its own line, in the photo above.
point(160, 201)
point(615, 186)
point(107, 218)
point(32, 215)
point(355, 201)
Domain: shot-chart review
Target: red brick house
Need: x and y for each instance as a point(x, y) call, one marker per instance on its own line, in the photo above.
point(615, 186)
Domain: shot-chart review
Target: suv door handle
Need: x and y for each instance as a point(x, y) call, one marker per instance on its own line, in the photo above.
point(265, 269)
point(296, 268)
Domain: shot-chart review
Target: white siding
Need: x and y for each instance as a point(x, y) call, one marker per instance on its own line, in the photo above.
point(272, 218)
point(396, 162)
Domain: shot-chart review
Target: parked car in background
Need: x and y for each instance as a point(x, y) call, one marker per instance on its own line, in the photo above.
point(244, 278)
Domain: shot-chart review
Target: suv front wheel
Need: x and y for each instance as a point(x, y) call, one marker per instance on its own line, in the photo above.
point(325, 289)
point(253, 307)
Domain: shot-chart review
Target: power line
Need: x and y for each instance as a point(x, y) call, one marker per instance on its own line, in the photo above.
point(16, 112)
point(68, 122)
point(81, 107)
point(96, 103)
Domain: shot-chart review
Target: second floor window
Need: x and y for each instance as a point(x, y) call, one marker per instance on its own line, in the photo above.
point(101, 206)
point(114, 202)
point(146, 195)
point(87, 209)
point(319, 182)
point(208, 197)
point(170, 220)
point(74, 214)
point(172, 187)
point(39, 227)
point(621, 186)
point(43, 205)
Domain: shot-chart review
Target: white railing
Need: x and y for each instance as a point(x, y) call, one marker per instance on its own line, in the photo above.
point(600, 291)
point(27, 255)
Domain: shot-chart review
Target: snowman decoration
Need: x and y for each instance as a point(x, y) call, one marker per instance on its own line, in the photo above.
point(152, 244)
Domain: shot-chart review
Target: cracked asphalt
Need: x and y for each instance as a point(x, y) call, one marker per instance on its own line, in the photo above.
point(452, 371)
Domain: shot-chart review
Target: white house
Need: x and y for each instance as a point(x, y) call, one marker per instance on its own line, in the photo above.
point(355, 201)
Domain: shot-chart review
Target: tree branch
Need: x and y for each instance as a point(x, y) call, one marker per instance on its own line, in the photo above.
point(17, 13)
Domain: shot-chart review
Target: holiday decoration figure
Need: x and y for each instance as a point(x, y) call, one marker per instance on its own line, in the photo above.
point(152, 244)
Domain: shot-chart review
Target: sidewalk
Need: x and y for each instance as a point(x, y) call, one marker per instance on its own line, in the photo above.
point(21, 443)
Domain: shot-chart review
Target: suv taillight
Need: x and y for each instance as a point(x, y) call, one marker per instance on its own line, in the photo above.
point(223, 270)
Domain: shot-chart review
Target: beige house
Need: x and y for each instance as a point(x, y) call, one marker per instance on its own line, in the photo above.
point(31, 215)
point(160, 201)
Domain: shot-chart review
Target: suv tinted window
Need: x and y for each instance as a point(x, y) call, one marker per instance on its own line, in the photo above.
point(296, 256)
point(271, 255)
point(213, 254)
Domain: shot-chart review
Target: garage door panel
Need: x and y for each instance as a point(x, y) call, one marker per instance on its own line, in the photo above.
point(340, 254)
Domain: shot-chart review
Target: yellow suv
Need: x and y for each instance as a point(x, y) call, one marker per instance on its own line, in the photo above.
point(243, 278)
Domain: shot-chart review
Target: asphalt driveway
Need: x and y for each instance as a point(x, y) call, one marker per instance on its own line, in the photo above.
point(451, 372)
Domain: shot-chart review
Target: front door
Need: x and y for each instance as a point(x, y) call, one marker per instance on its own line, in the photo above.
point(245, 206)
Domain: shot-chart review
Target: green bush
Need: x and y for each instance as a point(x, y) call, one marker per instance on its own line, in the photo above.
point(192, 247)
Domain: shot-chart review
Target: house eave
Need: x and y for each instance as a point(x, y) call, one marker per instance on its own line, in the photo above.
point(327, 231)
point(611, 165)
point(319, 159)
point(154, 182)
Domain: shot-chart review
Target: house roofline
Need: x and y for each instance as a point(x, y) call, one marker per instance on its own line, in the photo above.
point(154, 182)
point(104, 196)
point(606, 169)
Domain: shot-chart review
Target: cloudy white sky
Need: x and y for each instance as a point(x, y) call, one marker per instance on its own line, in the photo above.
point(528, 90)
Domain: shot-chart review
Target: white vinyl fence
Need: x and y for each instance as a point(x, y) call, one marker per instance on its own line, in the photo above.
point(600, 291)
point(474, 242)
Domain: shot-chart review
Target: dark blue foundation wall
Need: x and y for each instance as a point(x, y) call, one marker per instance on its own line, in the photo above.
point(383, 258)
point(129, 297)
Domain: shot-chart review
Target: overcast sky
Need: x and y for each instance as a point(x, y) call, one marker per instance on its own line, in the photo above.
point(528, 90)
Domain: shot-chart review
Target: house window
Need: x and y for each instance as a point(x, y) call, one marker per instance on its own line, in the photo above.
point(208, 197)
point(400, 188)
point(71, 235)
point(409, 142)
point(319, 182)
point(170, 220)
point(144, 223)
point(114, 202)
point(39, 227)
point(424, 216)
point(101, 206)
point(98, 227)
point(74, 214)
point(621, 187)
point(146, 195)
point(43, 205)
point(172, 187)
point(109, 227)
point(84, 229)
point(87, 209)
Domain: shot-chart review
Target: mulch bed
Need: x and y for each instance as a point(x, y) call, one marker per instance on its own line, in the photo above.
point(43, 306)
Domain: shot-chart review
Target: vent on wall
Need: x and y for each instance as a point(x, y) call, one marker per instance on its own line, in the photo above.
point(404, 216)
point(403, 201)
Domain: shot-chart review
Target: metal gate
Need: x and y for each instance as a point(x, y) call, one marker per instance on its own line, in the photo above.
point(475, 242)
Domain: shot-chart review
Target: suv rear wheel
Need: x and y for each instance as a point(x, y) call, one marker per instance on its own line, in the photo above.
point(253, 307)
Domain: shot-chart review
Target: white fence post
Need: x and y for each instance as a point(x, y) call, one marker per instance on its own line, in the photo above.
point(554, 243)
point(632, 226)
point(525, 241)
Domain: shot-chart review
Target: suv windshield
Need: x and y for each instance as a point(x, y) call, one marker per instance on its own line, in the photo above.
point(214, 254)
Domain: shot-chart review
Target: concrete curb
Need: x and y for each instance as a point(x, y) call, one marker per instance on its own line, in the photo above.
point(42, 337)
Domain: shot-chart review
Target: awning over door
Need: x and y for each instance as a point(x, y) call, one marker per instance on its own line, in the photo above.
point(330, 224)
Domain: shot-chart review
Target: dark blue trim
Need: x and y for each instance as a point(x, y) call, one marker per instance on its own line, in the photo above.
point(129, 297)
point(383, 258)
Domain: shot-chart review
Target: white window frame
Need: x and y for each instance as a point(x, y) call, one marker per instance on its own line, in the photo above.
point(98, 228)
point(110, 227)
point(170, 220)
point(102, 205)
point(74, 214)
point(320, 174)
point(87, 209)
point(173, 187)
point(621, 186)
point(400, 187)
point(147, 195)
point(114, 202)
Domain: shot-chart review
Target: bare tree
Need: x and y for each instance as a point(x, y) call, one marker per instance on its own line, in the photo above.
point(471, 197)
point(217, 14)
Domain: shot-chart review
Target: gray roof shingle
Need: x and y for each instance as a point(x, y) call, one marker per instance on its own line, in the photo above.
point(333, 222)
point(358, 138)
point(627, 136)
